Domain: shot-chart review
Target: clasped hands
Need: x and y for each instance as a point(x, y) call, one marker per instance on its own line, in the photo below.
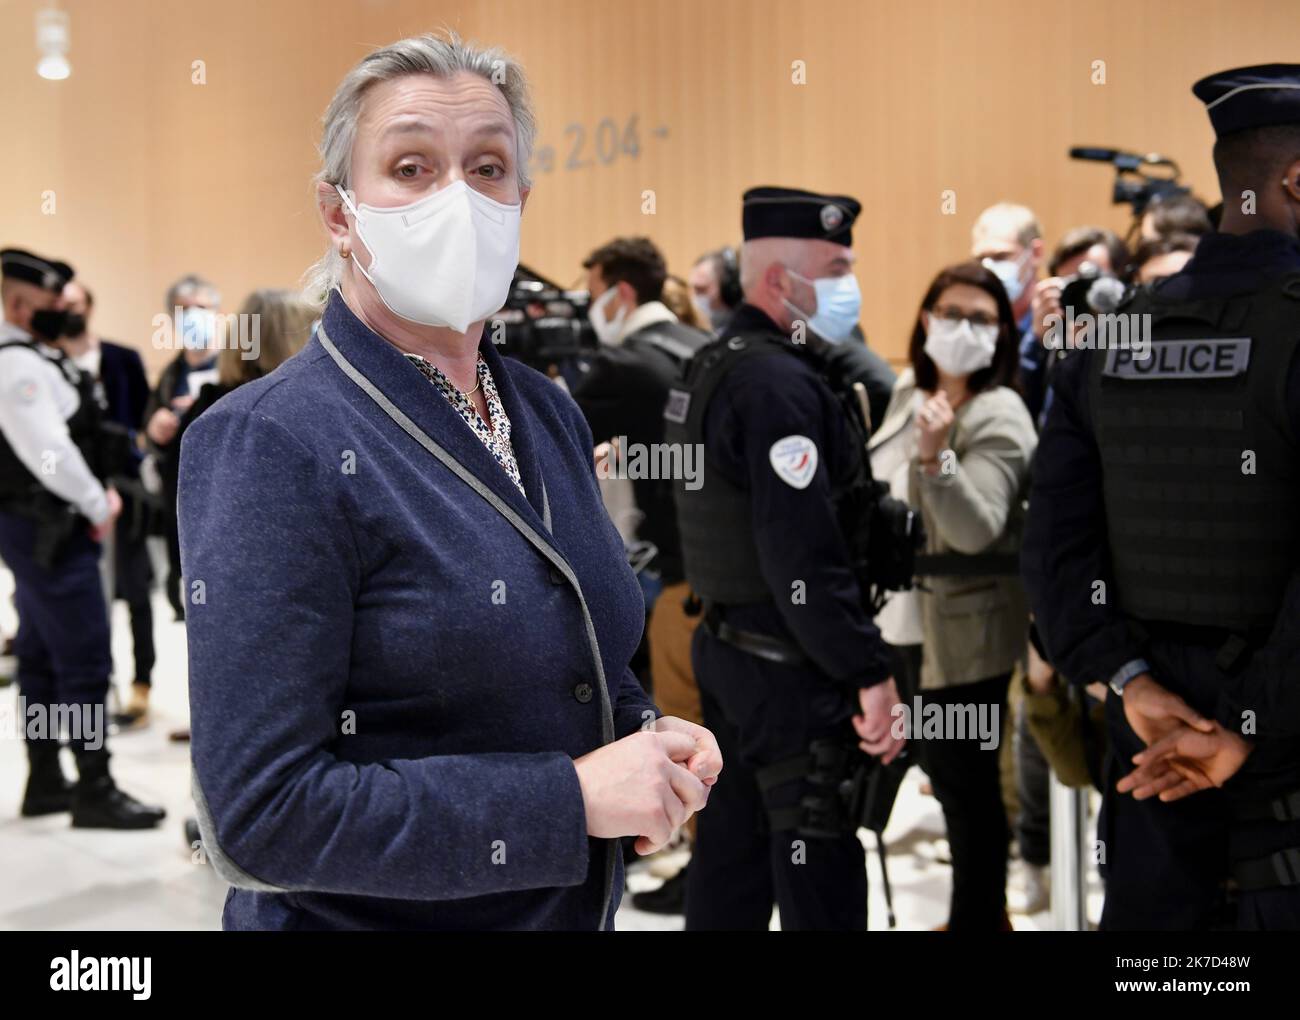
point(649, 783)
point(1185, 752)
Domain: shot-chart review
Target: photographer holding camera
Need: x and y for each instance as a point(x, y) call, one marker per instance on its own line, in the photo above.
point(1083, 251)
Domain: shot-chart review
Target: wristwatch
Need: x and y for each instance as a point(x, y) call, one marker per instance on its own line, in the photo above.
point(1127, 672)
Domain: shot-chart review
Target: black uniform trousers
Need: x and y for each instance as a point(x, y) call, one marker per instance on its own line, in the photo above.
point(133, 582)
point(967, 783)
point(62, 645)
point(1165, 864)
point(763, 713)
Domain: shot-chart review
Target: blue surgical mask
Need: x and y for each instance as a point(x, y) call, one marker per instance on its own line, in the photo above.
point(1008, 271)
point(839, 304)
point(198, 328)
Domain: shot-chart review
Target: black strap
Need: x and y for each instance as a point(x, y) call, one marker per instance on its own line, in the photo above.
point(711, 364)
point(782, 772)
point(785, 818)
point(1281, 809)
point(1232, 653)
point(673, 339)
point(1277, 869)
point(65, 365)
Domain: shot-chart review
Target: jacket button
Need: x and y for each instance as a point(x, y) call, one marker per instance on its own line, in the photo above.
point(583, 692)
point(557, 577)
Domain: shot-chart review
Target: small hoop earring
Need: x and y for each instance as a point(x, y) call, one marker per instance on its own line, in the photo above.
point(344, 252)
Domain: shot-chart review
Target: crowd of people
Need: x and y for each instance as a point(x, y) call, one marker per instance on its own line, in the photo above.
point(976, 382)
point(138, 492)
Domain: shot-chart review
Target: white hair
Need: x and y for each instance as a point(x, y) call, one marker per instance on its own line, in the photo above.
point(442, 56)
point(187, 287)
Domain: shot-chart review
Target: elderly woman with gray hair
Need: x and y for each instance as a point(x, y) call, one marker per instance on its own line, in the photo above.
point(409, 618)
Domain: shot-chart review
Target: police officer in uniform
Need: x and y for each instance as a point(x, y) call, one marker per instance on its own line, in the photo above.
point(1162, 546)
point(54, 510)
point(795, 680)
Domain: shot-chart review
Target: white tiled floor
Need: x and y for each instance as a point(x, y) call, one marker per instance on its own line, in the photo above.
point(55, 877)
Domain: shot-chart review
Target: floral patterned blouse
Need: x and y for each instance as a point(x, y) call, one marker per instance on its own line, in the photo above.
point(496, 437)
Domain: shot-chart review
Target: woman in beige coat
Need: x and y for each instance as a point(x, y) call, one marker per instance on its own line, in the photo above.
point(968, 440)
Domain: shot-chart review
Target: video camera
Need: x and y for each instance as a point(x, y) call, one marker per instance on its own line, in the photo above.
point(1134, 185)
point(1092, 291)
point(544, 323)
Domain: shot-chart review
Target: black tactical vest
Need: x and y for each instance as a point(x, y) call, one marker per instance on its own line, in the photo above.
point(715, 519)
point(19, 488)
point(664, 348)
point(1199, 467)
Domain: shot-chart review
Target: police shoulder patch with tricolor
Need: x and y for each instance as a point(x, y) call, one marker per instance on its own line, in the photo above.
point(794, 459)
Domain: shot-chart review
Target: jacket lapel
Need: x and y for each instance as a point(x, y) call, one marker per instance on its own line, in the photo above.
point(402, 383)
point(525, 431)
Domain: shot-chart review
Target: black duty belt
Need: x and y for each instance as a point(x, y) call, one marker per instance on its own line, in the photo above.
point(762, 646)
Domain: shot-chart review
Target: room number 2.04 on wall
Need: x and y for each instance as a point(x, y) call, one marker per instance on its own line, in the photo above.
point(584, 147)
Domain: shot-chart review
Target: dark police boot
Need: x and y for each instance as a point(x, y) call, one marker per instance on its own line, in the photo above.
point(48, 789)
point(669, 898)
point(97, 803)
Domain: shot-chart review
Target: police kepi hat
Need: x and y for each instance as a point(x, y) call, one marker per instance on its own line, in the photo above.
point(1251, 97)
point(16, 264)
point(789, 212)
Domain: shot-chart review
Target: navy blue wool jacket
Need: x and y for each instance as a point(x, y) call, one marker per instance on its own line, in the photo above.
point(393, 665)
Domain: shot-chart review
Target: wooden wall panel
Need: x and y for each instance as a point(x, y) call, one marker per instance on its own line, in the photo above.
point(156, 176)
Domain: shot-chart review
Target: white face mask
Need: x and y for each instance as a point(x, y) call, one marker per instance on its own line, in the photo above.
point(607, 330)
point(958, 348)
point(446, 260)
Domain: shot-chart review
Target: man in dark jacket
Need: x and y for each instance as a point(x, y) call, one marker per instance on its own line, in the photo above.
point(623, 392)
point(854, 362)
point(119, 371)
point(622, 396)
point(1160, 552)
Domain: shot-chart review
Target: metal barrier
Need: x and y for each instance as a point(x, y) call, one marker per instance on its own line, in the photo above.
point(1068, 809)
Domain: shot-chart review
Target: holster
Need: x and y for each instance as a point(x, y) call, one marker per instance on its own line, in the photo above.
point(57, 524)
point(846, 789)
